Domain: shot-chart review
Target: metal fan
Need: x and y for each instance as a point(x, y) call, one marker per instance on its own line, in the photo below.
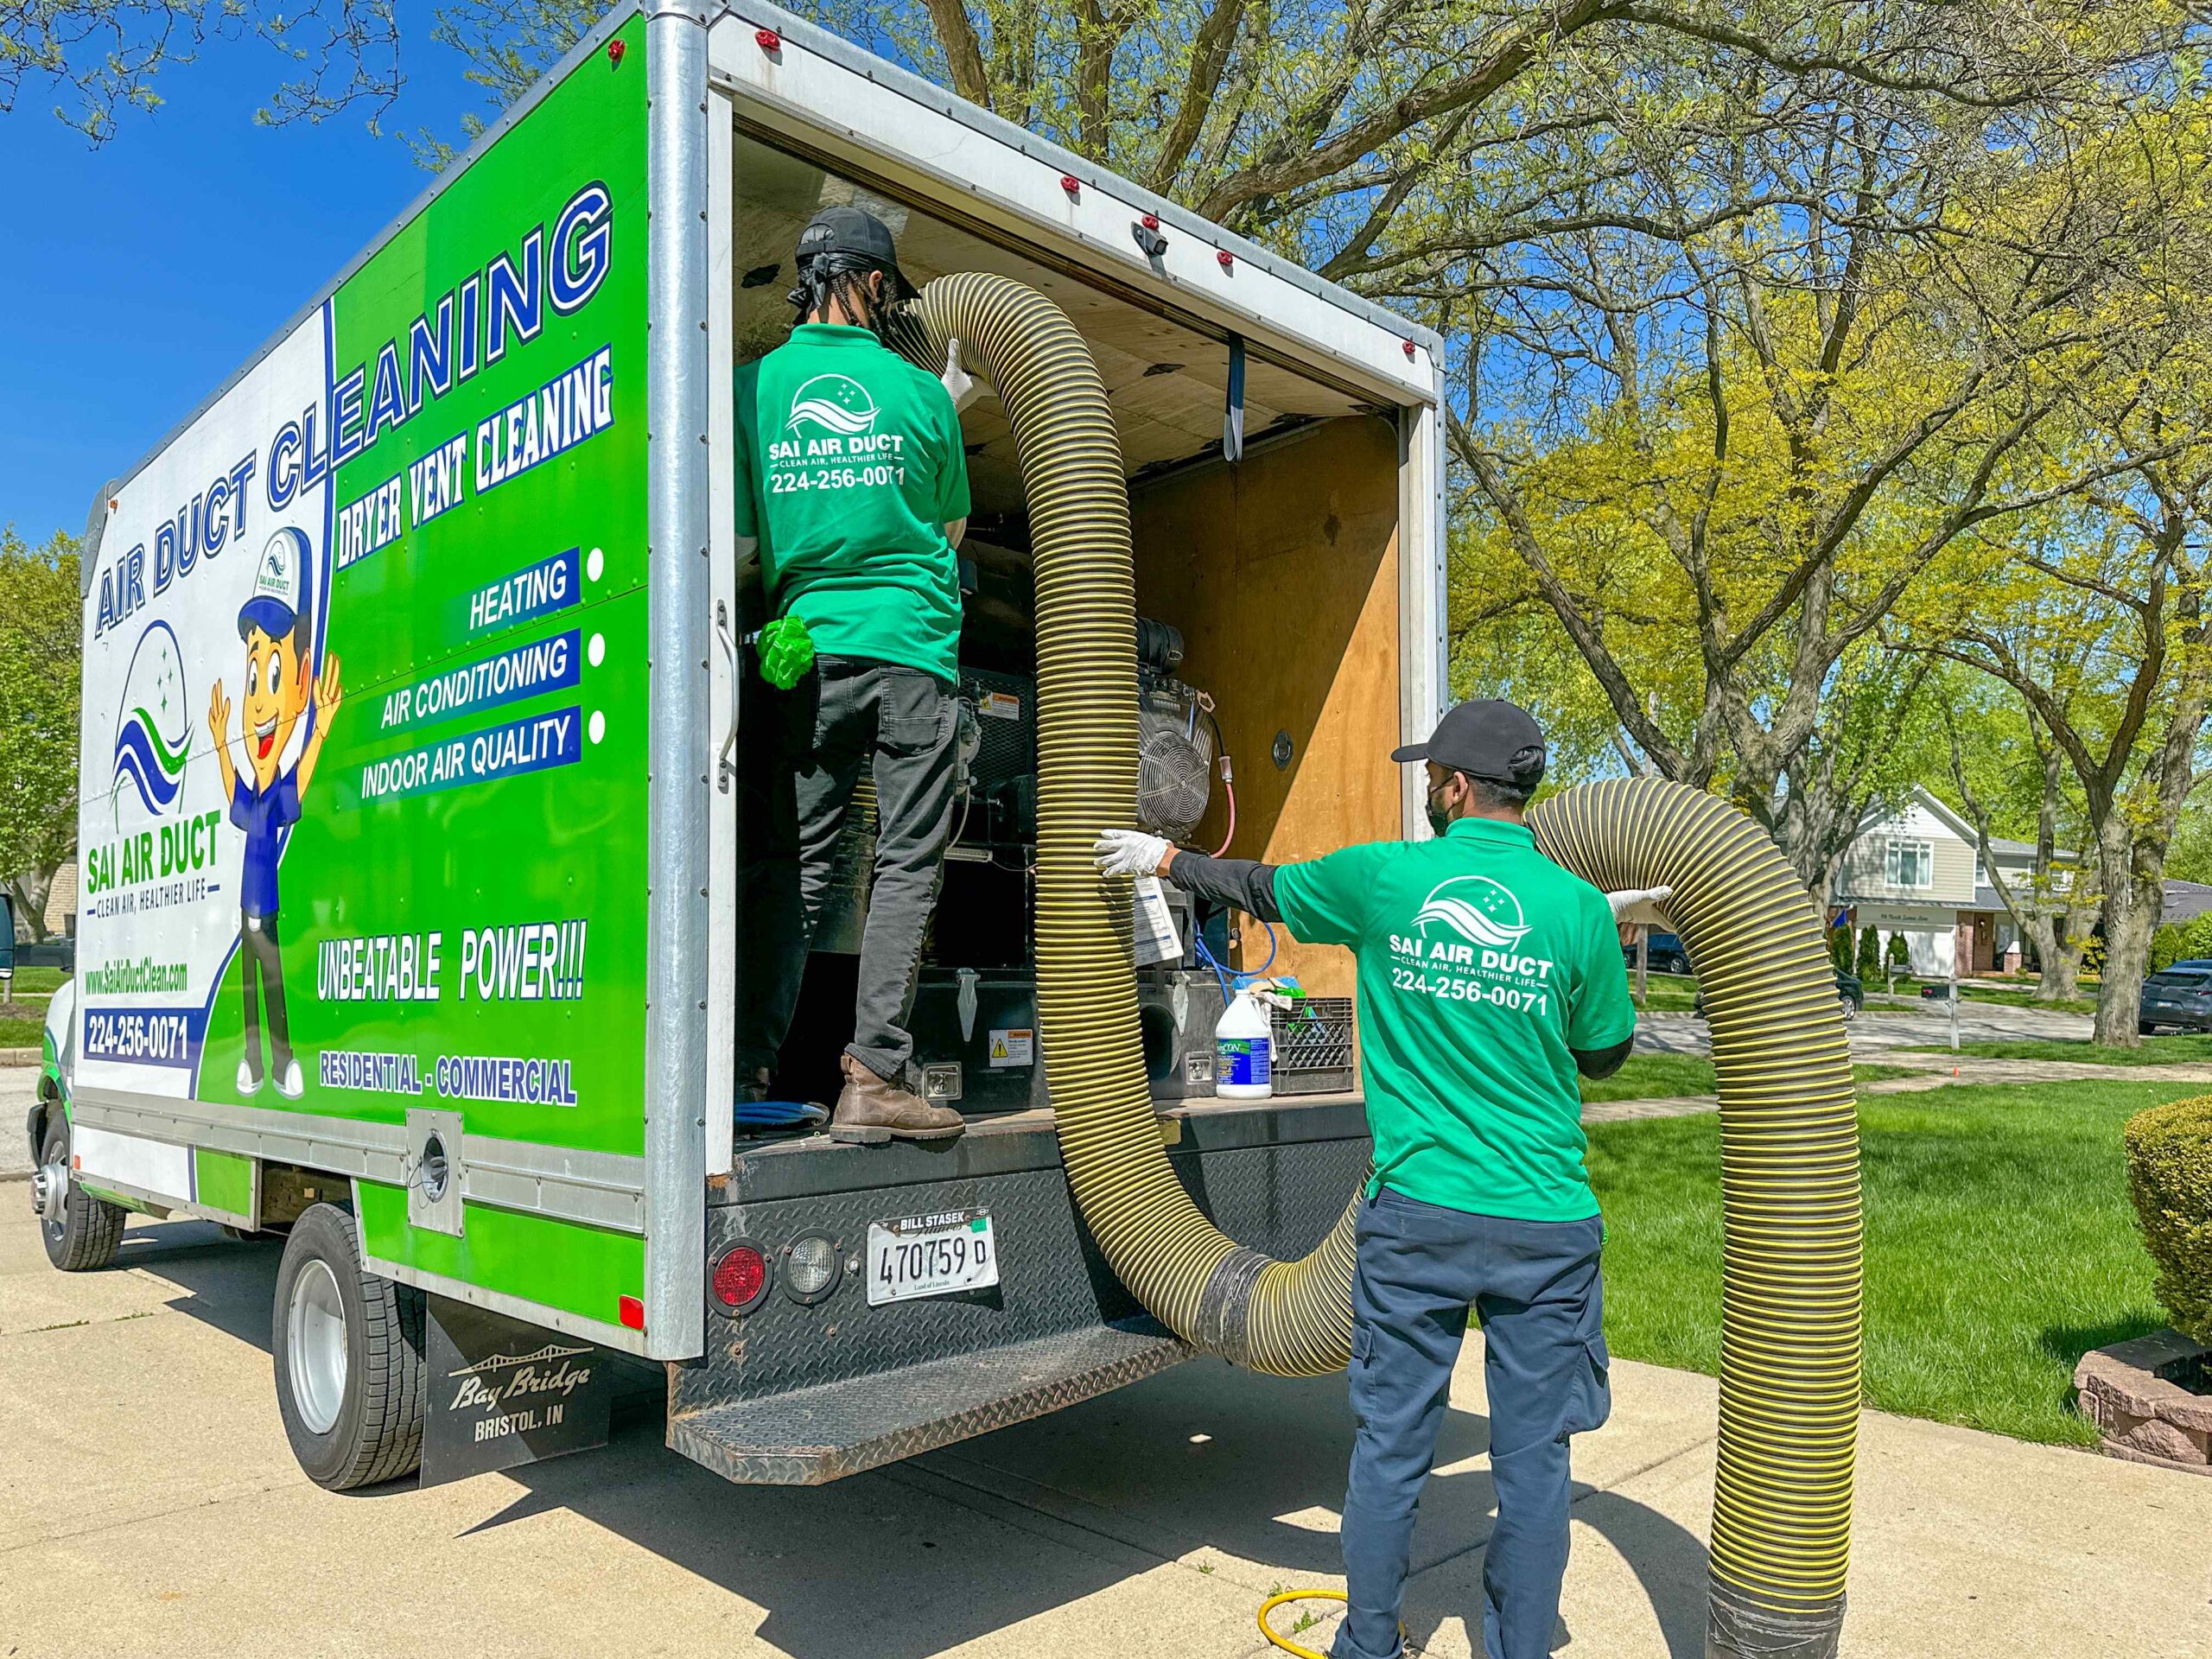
point(1174, 760)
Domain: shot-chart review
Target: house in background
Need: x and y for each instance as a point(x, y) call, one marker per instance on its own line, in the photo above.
point(1915, 871)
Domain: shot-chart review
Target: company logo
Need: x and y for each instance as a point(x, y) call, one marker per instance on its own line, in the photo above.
point(153, 730)
point(1476, 908)
point(833, 401)
point(500, 1362)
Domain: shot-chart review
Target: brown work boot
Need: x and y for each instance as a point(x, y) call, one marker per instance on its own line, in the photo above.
point(872, 1110)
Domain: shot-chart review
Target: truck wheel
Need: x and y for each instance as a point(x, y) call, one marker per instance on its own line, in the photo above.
point(348, 1349)
point(82, 1233)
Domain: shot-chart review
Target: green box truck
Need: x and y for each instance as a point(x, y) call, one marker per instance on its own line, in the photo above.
point(412, 706)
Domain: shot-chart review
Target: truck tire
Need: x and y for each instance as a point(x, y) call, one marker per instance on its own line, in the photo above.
point(85, 1235)
point(348, 1351)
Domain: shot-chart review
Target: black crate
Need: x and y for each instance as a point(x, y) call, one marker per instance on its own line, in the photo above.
point(1313, 1046)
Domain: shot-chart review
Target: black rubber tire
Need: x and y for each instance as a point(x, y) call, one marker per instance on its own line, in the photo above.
point(378, 1435)
point(1850, 1008)
point(91, 1229)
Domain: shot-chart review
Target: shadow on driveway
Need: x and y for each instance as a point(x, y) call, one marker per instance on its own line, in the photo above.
point(1236, 1474)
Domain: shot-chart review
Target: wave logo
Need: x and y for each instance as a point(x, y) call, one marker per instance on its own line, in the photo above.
point(1476, 908)
point(153, 733)
point(833, 401)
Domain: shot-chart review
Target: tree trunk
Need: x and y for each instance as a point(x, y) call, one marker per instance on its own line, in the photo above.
point(30, 890)
point(2130, 914)
point(2059, 957)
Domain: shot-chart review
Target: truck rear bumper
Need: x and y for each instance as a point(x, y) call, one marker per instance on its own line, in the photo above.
point(802, 1392)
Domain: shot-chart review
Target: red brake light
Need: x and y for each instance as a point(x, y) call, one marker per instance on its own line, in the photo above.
point(741, 1278)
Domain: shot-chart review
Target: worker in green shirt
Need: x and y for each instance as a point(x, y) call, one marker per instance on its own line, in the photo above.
point(1489, 976)
point(852, 489)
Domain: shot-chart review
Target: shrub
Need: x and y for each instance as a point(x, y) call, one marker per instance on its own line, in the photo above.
point(1900, 957)
point(1870, 955)
point(2197, 936)
point(2168, 944)
point(1839, 946)
point(2170, 1178)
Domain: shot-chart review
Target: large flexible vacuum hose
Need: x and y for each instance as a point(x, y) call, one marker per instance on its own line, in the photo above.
point(1790, 1384)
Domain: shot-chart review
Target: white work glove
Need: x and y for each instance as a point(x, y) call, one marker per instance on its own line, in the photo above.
point(1639, 906)
point(957, 381)
point(1128, 852)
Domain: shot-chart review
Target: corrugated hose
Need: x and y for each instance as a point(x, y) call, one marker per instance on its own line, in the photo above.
point(1790, 1295)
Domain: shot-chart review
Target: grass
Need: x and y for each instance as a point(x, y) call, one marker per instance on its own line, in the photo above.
point(1667, 993)
point(1658, 1076)
point(2156, 1050)
point(2012, 997)
point(21, 1033)
point(37, 981)
point(1999, 1247)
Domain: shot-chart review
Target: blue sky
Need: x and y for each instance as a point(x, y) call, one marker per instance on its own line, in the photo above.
point(139, 274)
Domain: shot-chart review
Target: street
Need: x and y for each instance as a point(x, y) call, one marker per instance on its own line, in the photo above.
point(148, 1505)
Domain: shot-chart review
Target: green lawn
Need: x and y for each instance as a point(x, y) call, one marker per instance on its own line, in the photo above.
point(2012, 996)
point(38, 981)
point(1999, 1247)
point(1667, 993)
point(1656, 1076)
point(2156, 1050)
point(21, 1033)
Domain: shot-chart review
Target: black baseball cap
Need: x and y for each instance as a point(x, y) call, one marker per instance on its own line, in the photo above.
point(856, 234)
point(1499, 742)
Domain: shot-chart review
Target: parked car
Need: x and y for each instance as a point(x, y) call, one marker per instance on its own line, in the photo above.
point(60, 951)
point(2178, 998)
point(1667, 954)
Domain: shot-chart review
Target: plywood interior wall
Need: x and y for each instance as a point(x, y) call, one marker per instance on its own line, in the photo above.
point(1282, 573)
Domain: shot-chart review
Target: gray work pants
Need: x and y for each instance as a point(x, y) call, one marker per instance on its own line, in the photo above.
point(811, 743)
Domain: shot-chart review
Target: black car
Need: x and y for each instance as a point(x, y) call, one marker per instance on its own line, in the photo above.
point(2178, 998)
point(1668, 956)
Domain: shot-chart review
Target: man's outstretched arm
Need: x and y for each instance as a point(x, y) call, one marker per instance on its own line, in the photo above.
point(1244, 882)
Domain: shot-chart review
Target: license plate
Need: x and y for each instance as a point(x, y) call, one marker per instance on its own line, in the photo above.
point(931, 1256)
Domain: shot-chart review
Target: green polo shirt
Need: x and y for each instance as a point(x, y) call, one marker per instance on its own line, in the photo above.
point(849, 465)
point(1482, 964)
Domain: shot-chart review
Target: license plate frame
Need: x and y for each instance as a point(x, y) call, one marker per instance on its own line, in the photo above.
point(917, 1258)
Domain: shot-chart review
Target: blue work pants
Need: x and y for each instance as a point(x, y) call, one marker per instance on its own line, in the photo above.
point(1535, 1286)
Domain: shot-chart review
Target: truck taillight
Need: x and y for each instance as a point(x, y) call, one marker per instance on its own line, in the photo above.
point(741, 1278)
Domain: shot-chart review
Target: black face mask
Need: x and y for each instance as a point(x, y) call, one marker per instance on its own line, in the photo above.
point(1438, 819)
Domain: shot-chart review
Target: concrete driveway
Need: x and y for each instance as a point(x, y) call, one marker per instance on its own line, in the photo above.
point(149, 1506)
point(1877, 1029)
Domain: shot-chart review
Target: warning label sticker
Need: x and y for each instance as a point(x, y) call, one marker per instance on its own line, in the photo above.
point(999, 705)
point(1016, 1047)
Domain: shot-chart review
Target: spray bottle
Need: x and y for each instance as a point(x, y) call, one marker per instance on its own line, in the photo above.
point(1243, 1045)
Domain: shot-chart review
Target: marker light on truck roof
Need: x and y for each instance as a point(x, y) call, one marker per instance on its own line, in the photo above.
point(740, 1279)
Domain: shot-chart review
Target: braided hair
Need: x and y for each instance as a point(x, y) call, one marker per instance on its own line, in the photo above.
point(830, 276)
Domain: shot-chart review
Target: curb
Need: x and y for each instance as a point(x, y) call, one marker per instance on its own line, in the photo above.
point(22, 1056)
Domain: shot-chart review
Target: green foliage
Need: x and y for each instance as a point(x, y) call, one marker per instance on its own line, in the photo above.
point(2170, 1178)
point(40, 622)
point(1839, 948)
point(107, 55)
point(1899, 956)
point(2000, 1247)
point(2168, 944)
point(1870, 955)
point(2197, 936)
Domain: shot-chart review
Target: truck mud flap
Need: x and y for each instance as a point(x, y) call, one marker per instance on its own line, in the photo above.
point(503, 1393)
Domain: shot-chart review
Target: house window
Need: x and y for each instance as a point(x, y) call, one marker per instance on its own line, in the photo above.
point(1910, 864)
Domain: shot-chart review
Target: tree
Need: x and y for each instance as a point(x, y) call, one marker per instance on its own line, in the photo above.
point(1807, 337)
point(41, 620)
point(105, 55)
point(1870, 955)
point(2015, 768)
point(1898, 959)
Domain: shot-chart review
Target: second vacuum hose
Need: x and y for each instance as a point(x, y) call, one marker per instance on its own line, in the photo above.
point(1790, 1358)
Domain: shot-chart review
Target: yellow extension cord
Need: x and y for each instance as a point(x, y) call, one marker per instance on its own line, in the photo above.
point(1277, 1600)
point(1790, 1382)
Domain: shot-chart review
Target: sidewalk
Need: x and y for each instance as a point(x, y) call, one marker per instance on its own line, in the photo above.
point(149, 1506)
